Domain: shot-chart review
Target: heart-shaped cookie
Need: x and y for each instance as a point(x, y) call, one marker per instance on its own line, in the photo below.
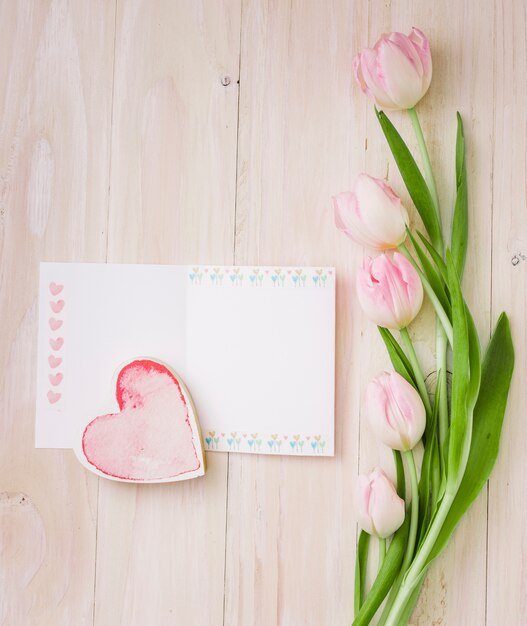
point(154, 437)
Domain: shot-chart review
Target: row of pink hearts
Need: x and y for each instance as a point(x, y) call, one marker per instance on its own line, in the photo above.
point(55, 343)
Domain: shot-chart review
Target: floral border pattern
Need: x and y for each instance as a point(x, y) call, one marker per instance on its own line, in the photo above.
point(260, 276)
point(265, 443)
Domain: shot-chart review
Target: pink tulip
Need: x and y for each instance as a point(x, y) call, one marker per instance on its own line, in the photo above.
point(395, 410)
point(397, 71)
point(380, 510)
point(372, 214)
point(389, 289)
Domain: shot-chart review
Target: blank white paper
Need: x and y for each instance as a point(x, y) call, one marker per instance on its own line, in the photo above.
point(254, 345)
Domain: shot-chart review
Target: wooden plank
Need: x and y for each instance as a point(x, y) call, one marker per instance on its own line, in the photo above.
point(160, 551)
point(507, 576)
point(291, 526)
point(56, 63)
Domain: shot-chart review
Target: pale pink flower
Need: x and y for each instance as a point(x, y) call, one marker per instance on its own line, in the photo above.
point(397, 71)
point(380, 510)
point(395, 411)
point(389, 290)
point(371, 214)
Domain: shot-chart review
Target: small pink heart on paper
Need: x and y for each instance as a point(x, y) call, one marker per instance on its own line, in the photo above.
point(54, 324)
point(57, 306)
point(55, 379)
point(54, 361)
point(55, 288)
point(56, 344)
point(53, 397)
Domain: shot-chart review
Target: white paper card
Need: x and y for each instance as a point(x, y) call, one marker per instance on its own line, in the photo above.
point(254, 345)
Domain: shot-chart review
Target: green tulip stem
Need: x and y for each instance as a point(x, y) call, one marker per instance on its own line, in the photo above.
point(441, 351)
point(410, 546)
point(441, 346)
point(438, 308)
point(428, 174)
point(418, 372)
point(419, 564)
point(382, 551)
point(412, 534)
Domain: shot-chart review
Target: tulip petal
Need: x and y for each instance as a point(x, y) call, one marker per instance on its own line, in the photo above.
point(411, 280)
point(422, 47)
point(397, 71)
point(395, 411)
point(381, 211)
point(372, 214)
point(380, 510)
point(389, 290)
point(400, 80)
point(371, 81)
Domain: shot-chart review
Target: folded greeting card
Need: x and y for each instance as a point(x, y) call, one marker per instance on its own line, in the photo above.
point(253, 345)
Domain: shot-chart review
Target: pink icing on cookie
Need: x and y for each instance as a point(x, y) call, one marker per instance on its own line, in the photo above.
point(151, 437)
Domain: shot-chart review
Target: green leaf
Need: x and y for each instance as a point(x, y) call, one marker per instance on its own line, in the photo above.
point(432, 275)
point(385, 577)
point(399, 360)
point(409, 607)
point(460, 423)
point(460, 217)
point(361, 564)
point(413, 179)
point(496, 374)
point(474, 361)
point(430, 460)
point(436, 257)
point(399, 468)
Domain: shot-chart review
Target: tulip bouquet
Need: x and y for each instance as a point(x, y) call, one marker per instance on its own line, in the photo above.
point(458, 422)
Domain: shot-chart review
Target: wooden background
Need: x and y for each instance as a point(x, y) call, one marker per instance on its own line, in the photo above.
point(178, 131)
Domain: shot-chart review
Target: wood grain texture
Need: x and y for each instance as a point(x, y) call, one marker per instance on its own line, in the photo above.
point(216, 132)
point(160, 551)
point(56, 63)
point(507, 539)
point(294, 114)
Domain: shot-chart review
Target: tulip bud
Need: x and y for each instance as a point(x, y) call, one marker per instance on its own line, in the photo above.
point(380, 510)
point(372, 214)
point(389, 290)
point(397, 71)
point(395, 411)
